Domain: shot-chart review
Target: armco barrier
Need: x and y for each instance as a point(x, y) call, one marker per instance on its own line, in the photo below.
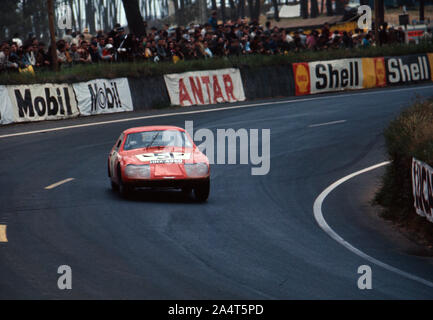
point(266, 82)
point(56, 101)
point(148, 92)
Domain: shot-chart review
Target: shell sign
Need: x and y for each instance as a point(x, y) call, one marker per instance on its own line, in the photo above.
point(301, 71)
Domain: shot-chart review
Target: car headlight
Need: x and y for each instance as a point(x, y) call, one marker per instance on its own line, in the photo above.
point(196, 170)
point(138, 172)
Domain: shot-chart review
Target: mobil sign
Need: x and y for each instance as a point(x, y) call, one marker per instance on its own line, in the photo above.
point(205, 87)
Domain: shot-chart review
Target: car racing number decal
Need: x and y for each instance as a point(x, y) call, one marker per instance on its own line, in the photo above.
point(165, 157)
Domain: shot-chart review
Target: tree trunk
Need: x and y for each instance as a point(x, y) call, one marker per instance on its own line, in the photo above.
point(133, 15)
point(223, 10)
point(314, 9)
point(304, 9)
point(339, 7)
point(50, 7)
point(241, 9)
point(233, 13)
point(276, 11)
point(329, 11)
point(251, 8)
point(421, 10)
point(256, 11)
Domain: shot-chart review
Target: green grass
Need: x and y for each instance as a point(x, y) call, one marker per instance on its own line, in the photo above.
point(147, 69)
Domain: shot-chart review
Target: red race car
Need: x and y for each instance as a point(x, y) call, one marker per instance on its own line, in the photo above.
point(158, 157)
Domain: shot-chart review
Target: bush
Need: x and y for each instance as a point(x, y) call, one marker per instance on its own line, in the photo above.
point(145, 69)
point(410, 135)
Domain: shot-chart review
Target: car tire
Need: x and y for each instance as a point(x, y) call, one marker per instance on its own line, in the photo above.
point(114, 186)
point(187, 191)
point(123, 189)
point(202, 191)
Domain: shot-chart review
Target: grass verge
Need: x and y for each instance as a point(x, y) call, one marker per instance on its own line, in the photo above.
point(410, 135)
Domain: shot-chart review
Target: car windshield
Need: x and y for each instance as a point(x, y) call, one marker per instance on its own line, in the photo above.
point(162, 138)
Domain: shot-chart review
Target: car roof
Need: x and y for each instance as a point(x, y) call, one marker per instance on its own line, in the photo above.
point(152, 128)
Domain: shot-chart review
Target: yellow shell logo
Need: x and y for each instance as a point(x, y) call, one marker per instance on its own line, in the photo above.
point(380, 72)
point(302, 78)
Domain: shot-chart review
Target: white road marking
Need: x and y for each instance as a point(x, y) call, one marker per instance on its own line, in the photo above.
point(54, 185)
point(326, 123)
point(211, 110)
point(3, 237)
point(318, 215)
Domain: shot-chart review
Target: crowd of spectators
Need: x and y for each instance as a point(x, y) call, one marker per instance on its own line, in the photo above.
point(206, 41)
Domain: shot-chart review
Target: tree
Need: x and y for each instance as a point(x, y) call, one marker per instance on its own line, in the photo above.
point(50, 7)
point(276, 11)
point(339, 7)
point(314, 9)
point(133, 15)
point(421, 10)
point(241, 9)
point(223, 10)
point(304, 9)
point(329, 11)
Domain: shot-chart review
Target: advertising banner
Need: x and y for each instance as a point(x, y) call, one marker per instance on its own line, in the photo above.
point(328, 76)
point(422, 188)
point(430, 61)
point(301, 73)
point(374, 73)
point(408, 69)
point(103, 96)
point(42, 102)
point(6, 110)
point(205, 87)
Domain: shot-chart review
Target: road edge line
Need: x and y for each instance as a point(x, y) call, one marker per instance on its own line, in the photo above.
point(318, 215)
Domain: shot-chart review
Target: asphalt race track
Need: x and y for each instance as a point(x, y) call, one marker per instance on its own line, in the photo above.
point(256, 238)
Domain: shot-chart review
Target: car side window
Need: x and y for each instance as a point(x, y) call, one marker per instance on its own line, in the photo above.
point(119, 142)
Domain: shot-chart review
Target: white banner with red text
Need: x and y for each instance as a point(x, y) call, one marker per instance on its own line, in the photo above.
point(205, 87)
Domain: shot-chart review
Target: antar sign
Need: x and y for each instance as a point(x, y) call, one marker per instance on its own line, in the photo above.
point(407, 69)
point(205, 87)
point(42, 102)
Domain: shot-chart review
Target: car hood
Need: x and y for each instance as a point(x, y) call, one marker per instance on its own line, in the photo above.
point(167, 155)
